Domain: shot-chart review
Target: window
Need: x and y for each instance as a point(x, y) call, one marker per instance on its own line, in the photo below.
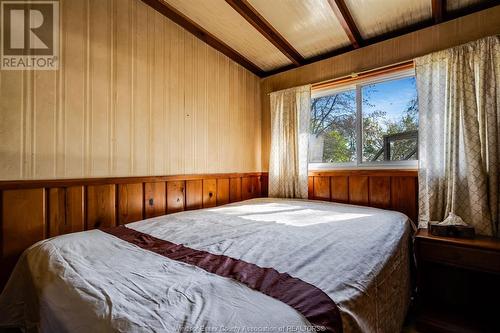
point(371, 122)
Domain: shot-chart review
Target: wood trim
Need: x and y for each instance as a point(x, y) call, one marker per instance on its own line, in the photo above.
point(266, 29)
point(438, 10)
point(49, 183)
point(364, 75)
point(346, 21)
point(202, 34)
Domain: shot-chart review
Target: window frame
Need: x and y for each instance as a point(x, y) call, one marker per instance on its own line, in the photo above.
point(357, 85)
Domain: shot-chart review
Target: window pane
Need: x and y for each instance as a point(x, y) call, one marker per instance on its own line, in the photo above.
point(333, 128)
point(390, 120)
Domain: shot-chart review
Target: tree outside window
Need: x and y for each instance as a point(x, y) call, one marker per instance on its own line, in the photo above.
point(389, 124)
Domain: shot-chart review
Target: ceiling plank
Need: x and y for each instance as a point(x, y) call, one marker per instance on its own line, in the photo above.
point(438, 10)
point(346, 21)
point(266, 29)
point(179, 18)
point(393, 34)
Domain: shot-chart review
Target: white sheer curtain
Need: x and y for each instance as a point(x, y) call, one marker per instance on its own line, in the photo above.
point(459, 134)
point(290, 116)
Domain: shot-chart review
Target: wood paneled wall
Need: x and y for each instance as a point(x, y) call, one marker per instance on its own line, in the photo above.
point(35, 210)
point(395, 50)
point(135, 95)
point(388, 189)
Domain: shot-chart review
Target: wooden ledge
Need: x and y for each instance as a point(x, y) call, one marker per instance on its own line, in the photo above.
point(61, 182)
point(364, 172)
point(479, 242)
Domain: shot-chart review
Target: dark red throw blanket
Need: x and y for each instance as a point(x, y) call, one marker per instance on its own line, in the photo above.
point(310, 301)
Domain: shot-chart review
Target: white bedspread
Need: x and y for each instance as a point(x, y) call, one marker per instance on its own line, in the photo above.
point(93, 282)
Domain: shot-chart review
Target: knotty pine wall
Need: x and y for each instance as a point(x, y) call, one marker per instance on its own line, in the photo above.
point(135, 95)
point(403, 48)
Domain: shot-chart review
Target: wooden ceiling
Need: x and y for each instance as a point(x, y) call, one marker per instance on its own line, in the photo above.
point(270, 36)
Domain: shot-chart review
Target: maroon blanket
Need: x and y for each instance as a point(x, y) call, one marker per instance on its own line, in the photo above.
point(310, 301)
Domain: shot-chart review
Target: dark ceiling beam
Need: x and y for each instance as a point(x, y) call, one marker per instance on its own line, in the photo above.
point(176, 16)
point(438, 10)
point(346, 21)
point(266, 29)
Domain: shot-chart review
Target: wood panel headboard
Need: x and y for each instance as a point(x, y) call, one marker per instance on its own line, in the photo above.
point(389, 189)
point(32, 210)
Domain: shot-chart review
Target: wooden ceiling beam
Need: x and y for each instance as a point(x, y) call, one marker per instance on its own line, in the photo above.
point(266, 29)
point(346, 21)
point(438, 10)
point(199, 32)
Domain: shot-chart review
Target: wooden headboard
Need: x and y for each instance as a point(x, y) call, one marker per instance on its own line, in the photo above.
point(32, 210)
point(389, 189)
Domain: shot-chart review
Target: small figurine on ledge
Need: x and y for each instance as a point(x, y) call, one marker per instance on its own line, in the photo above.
point(452, 226)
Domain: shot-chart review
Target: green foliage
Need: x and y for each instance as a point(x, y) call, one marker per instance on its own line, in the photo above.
point(373, 133)
point(337, 148)
point(334, 119)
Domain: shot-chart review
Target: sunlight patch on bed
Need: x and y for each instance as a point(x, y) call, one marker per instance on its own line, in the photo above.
point(303, 217)
point(257, 208)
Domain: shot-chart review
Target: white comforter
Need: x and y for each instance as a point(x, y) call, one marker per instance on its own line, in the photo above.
point(93, 282)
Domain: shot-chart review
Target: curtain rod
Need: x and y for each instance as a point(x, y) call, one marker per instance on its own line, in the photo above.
point(360, 75)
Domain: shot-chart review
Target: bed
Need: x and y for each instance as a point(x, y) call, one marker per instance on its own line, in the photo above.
point(93, 281)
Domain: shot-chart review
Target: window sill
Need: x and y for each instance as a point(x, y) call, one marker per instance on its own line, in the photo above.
point(402, 165)
point(371, 172)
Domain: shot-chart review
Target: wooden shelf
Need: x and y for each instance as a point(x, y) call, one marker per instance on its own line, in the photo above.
point(480, 242)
